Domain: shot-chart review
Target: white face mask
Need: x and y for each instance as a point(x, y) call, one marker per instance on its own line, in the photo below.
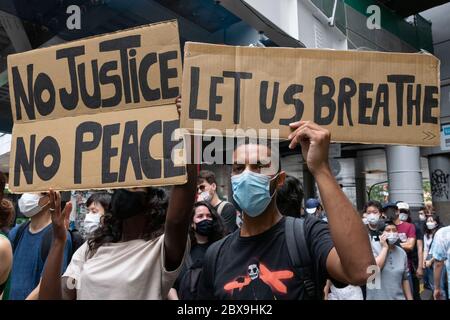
point(403, 216)
point(91, 222)
point(431, 225)
point(29, 204)
point(392, 237)
point(205, 196)
point(373, 218)
point(365, 221)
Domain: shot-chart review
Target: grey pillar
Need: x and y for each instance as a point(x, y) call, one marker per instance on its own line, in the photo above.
point(360, 182)
point(439, 166)
point(405, 176)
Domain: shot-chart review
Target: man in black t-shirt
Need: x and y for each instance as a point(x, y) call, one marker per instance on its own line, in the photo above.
point(261, 241)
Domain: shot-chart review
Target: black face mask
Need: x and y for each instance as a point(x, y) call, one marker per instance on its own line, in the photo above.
point(125, 204)
point(204, 227)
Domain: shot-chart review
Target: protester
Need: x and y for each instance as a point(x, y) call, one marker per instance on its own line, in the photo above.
point(27, 242)
point(206, 227)
point(255, 261)
point(137, 252)
point(406, 233)
point(290, 197)
point(392, 282)
point(416, 255)
point(440, 250)
point(432, 226)
point(422, 217)
point(375, 225)
point(314, 207)
point(97, 204)
point(207, 190)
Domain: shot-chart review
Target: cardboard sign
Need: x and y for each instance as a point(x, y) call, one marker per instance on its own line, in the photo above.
point(135, 68)
point(362, 97)
point(130, 80)
point(124, 148)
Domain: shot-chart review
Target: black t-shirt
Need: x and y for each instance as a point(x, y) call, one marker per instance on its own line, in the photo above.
point(375, 234)
point(413, 255)
point(419, 230)
point(228, 215)
point(238, 276)
point(197, 255)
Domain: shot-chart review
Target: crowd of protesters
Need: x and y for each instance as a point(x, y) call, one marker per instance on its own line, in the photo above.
point(148, 243)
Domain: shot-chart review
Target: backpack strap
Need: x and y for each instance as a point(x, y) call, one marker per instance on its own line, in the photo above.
point(211, 257)
point(299, 254)
point(19, 234)
point(220, 207)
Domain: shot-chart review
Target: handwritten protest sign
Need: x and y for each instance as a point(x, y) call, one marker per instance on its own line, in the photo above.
point(97, 113)
point(363, 97)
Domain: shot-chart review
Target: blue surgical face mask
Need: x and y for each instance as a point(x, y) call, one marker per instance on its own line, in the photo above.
point(251, 191)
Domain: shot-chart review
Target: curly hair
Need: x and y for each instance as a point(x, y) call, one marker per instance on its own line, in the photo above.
point(110, 230)
point(218, 223)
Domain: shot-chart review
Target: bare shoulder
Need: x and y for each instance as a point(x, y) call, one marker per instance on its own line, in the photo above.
point(5, 247)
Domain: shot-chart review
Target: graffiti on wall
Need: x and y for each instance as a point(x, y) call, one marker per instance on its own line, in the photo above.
point(440, 187)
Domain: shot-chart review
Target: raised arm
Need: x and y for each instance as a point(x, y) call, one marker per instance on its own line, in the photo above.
point(352, 255)
point(50, 286)
point(181, 203)
point(381, 258)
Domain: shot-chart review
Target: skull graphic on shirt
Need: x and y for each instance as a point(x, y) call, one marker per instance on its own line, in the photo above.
point(253, 271)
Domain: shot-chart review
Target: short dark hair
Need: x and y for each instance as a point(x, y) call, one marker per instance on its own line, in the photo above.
point(290, 197)
point(390, 213)
point(373, 203)
point(102, 198)
point(206, 175)
point(389, 222)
